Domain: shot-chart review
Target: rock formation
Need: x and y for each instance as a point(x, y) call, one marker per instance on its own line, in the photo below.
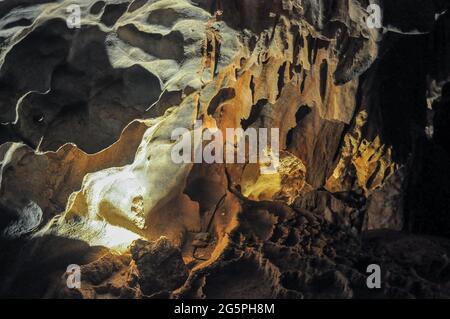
point(87, 177)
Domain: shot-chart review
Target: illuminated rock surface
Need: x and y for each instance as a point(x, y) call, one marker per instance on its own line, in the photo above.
point(86, 121)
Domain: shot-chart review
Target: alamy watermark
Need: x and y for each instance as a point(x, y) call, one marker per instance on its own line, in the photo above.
point(209, 145)
point(73, 20)
point(373, 21)
point(373, 281)
point(73, 273)
point(375, 18)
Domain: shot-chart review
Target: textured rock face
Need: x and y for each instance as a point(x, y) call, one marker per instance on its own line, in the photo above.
point(87, 116)
point(160, 266)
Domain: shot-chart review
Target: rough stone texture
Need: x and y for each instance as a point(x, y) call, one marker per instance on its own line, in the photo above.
point(86, 117)
point(160, 266)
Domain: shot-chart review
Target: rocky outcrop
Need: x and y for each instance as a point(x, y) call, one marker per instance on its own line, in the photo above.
point(159, 265)
point(273, 255)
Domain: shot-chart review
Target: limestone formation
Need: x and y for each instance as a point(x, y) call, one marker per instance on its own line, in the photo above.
point(89, 105)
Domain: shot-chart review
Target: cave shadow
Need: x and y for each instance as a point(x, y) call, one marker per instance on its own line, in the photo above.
point(31, 267)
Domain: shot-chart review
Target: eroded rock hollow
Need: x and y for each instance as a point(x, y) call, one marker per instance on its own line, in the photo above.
point(91, 93)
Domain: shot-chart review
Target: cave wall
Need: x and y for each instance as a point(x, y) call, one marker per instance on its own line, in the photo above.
point(87, 115)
